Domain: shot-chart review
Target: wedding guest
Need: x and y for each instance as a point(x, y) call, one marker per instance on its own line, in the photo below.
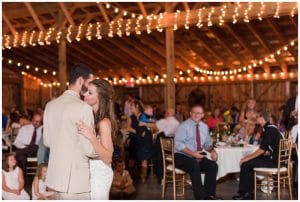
point(39, 188)
point(212, 122)
point(191, 137)
point(265, 156)
point(13, 180)
point(248, 110)
point(122, 185)
point(27, 140)
point(127, 104)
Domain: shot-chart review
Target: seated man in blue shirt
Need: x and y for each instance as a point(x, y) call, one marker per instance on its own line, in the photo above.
point(191, 137)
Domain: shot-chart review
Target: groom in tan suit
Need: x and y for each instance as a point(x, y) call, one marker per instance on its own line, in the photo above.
point(68, 169)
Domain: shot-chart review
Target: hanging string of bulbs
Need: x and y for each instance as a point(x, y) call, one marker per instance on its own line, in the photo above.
point(252, 64)
point(119, 26)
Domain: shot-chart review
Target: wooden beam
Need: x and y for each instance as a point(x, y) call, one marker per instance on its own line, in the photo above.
point(62, 57)
point(144, 50)
point(282, 39)
point(168, 20)
point(142, 8)
point(201, 39)
point(160, 50)
point(103, 12)
point(66, 13)
point(34, 16)
point(197, 5)
point(202, 56)
point(149, 64)
point(170, 60)
point(117, 57)
point(186, 6)
point(258, 37)
point(240, 40)
point(222, 42)
point(10, 26)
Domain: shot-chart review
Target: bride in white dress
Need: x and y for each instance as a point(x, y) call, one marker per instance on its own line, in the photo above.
point(100, 97)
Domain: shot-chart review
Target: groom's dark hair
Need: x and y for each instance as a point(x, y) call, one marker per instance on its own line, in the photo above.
point(79, 70)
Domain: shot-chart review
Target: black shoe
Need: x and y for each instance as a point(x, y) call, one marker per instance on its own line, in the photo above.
point(213, 198)
point(246, 196)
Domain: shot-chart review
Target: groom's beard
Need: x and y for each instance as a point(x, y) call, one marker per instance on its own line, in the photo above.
point(83, 90)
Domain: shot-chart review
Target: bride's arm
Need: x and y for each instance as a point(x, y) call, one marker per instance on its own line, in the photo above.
point(103, 148)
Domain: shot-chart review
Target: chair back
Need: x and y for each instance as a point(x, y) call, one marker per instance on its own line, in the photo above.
point(284, 157)
point(167, 149)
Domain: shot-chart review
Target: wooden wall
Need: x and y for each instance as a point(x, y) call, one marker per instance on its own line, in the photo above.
point(269, 94)
point(22, 92)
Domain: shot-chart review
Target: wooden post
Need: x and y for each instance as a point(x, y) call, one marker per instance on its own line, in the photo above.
point(287, 89)
point(170, 57)
point(62, 58)
point(251, 72)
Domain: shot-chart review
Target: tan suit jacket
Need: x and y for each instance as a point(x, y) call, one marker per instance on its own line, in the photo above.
point(68, 167)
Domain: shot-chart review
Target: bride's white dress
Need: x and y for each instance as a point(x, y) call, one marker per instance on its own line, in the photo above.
point(101, 176)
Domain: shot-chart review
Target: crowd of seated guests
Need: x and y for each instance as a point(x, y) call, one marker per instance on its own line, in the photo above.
point(138, 149)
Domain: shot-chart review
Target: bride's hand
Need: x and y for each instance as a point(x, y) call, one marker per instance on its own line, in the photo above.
point(85, 130)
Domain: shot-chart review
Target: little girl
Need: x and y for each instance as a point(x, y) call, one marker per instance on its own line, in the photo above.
point(13, 180)
point(39, 187)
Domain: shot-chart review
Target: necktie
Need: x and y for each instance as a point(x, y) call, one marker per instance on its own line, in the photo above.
point(32, 142)
point(198, 139)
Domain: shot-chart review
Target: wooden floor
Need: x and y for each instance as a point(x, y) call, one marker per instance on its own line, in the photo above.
point(151, 190)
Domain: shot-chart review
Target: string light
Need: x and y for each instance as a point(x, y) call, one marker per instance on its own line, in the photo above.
point(89, 32)
point(276, 15)
point(98, 31)
point(110, 32)
point(137, 27)
point(24, 39)
point(58, 36)
point(159, 27)
point(187, 16)
point(236, 13)
point(293, 10)
point(69, 34)
point(16, 39)
point(119, 28)
point(28, 38)
point(48, 35)
point(199, 23)
point(127, 27)
point(40, 42)
point(209, 22)
point(79, 32)
point(175, 27)
point(221, 18)
point(148, 26)
point(246, 17)
point(7, 41)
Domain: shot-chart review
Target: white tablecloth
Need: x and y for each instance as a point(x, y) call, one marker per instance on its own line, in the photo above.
point(229, 158)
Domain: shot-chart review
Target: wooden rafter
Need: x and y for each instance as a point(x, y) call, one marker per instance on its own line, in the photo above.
point(207, 46)
point(282, 39)
point(142, 8)
point(160, 50)
point(222, 42)
point(258, 37)
point(135, 54)
point(103, 12)
point(10, 26)
point(240, 40)
point(146, 51)
point(66, 13)
point(34, 16)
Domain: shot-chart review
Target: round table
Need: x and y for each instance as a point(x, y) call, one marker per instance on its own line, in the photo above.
point(229, 158)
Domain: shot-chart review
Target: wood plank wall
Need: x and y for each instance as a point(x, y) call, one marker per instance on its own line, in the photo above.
point(269, 94)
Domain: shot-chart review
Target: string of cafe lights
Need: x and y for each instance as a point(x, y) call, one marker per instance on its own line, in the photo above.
point(211, 75)
point(85, 31)
point(160, 80)
point(252, 64)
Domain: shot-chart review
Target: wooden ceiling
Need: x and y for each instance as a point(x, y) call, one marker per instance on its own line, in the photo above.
point(213, 48)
